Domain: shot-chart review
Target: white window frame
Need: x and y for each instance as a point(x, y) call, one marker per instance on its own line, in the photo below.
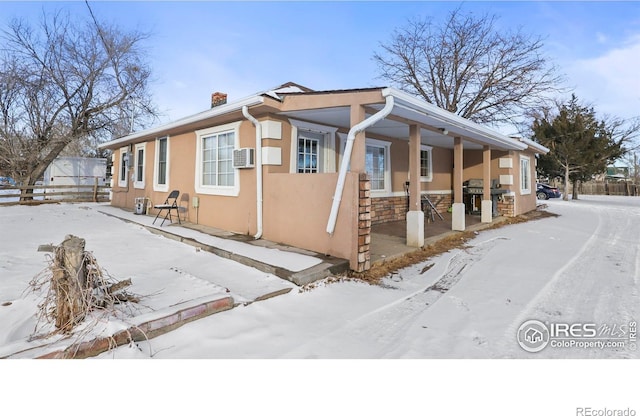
point(327, 151)
point(156, 166)
point(386, 190)
point(429, 150)
point(122, 178)
point(308, 138)
point(525, 188)
point(233, 190)
point(138, 180)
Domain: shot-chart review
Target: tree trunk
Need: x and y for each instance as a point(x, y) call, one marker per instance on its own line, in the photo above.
point(574, 192)
point(69, 283)
point(36, 172)
point(565, 197)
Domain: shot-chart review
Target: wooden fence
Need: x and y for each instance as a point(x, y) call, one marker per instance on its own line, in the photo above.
point(41, 194)
point(605, 188)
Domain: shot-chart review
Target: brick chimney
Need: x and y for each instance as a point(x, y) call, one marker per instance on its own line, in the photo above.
point(218, 98)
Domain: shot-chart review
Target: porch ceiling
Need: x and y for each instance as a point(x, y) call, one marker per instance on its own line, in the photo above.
point(339, 117)
point(433, 122)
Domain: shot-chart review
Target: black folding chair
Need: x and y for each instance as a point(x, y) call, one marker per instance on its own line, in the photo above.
point(170, 204)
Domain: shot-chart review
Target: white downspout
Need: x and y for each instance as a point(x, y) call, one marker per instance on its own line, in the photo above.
point(346, 159)
point(258, 155)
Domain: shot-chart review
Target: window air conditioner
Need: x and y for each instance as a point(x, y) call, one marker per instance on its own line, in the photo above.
point(243, 158)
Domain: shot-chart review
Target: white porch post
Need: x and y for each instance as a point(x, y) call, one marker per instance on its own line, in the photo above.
point(487, 204)
point(457, 213)
point(415, 216)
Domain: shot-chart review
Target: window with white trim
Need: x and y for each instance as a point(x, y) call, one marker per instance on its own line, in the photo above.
point(309, 155)
point(426, 169)
point(525, 175)
point(377, 165)
point(139, 150)
point(215, 173)
point(161, 165)
point(122, 173)
point(312, 148)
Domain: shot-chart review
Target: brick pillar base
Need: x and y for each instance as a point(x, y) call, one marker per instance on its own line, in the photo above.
point(506, 206)
point(364, 224)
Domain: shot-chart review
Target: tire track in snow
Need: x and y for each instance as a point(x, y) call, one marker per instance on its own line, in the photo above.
point(412, 307)
point(452, 275)
point(386, 325)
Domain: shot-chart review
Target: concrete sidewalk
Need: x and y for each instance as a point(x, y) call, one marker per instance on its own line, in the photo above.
point(293, 264)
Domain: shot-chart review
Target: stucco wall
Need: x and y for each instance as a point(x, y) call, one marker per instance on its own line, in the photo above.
point(525, 202)
point(442, 167)
point(297, 207)
point(124, 196)
point(233, 213)
point(442, 160)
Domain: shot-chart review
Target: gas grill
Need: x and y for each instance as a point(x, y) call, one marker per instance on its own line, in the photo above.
point(473, 191)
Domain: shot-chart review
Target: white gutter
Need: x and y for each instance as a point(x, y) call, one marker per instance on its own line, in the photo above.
point(537, 147)
point(487, 135)
point(213, 112)
point(258, 156)
point(346, 159)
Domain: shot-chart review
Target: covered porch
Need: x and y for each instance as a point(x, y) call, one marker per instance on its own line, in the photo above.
point(388, 240)
point(399, 128)
point(383, 136)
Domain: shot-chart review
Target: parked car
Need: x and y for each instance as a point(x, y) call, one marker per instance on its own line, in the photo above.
point(545, 191)
point(7, 181)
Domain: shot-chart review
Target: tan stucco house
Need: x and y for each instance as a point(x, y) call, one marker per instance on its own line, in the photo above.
point(316, 169)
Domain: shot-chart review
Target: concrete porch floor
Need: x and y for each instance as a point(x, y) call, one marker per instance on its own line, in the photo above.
point(388, 240)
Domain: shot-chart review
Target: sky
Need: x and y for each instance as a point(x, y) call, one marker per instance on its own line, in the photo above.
point(242, 47)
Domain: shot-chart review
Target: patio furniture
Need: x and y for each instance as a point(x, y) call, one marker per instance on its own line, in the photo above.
point(430, 209)
point(169, 205)
point(426, 205)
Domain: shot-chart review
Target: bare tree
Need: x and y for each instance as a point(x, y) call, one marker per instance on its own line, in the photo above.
point(65, 82)
point(631, 161)
point(468, 67)
point(10, 118)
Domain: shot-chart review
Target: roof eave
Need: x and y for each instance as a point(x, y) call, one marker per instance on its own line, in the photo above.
point(159, 130)
point(490, 137)
point(536, 147)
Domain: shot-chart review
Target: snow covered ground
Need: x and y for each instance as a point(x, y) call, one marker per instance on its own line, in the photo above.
point(582, 267)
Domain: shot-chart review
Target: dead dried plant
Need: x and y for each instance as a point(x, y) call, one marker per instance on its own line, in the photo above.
point(102, 298)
